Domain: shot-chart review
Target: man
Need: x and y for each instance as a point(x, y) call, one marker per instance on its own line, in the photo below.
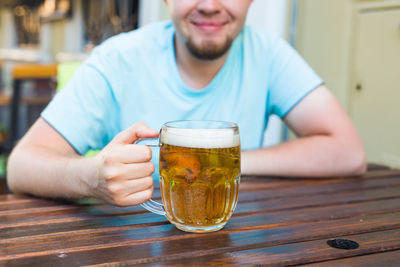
point(204, 66)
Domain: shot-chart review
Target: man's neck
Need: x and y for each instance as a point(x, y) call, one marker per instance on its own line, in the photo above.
point(196, 73)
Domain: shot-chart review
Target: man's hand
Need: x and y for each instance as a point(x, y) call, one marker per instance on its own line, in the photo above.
point(120, 174)
point(124, 168)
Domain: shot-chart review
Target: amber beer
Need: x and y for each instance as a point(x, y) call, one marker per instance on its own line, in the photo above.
point(199, 176)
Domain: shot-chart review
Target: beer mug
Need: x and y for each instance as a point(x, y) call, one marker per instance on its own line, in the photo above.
point(199, 173)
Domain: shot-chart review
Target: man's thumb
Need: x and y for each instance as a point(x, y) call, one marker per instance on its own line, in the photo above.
point(135, 132)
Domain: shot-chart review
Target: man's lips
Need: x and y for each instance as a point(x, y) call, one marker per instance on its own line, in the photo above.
point(209, 26)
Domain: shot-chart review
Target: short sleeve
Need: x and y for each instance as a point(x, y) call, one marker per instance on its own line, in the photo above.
point(291, 78)
point(85, 111)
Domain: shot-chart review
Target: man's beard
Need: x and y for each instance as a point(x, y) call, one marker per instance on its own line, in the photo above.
point(206, 51)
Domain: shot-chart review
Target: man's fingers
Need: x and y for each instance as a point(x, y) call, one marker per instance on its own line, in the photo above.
point(127, 154)
point(122, 172)
point(135, 132)
point(135, 198)
point(138, 170)
point(120, 189)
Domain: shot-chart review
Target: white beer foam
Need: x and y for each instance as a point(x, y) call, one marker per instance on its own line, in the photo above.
point(200, 138)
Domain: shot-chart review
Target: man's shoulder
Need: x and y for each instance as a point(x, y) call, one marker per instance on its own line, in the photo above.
point(259, 36)
point(152, 36)
point(261, 45)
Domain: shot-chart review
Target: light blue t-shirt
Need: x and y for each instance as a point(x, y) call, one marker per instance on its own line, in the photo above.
point(133, 77)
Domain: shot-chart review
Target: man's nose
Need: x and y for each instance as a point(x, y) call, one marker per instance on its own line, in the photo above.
point(209, 6)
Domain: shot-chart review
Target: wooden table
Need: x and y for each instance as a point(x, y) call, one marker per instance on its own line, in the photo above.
point(277, 221)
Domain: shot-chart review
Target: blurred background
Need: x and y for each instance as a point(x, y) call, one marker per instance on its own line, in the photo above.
point(354, 45)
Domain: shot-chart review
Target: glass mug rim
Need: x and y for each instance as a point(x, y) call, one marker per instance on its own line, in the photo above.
point(158, 208)
point(200, 124)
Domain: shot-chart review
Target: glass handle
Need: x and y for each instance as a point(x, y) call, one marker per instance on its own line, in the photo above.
point(151, 205)
point(154, 207)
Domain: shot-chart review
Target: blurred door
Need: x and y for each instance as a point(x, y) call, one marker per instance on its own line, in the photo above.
point(375, 97)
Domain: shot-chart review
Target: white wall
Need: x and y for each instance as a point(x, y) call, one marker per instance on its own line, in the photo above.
point(149, 11)
point(7, 36)
point(270, 15)
point(74, 27)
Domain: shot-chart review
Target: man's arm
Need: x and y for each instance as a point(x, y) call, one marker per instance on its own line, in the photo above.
point(328, 144)
point(45, 164)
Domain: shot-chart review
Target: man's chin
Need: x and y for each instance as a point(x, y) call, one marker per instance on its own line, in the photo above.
point(208, 51)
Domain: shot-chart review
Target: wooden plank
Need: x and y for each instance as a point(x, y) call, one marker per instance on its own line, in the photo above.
point(387, 259)
point(330, 189)
point(320, 206)
point(375, 167)
point(75, 227)
point(28, 209)
point(248, 184)
point(73, 211)
point(280, 204)
point(34, 71)
point(140, 223)
point(286, 187)
point(251, 183)
point(294, 244)
point(158, 232)
point(285, 255)
point(5, 100)
point(14, 197)
point(318, 185)
point(36, 100)
point(260, 182)
point(24, 205)
point(378, 172)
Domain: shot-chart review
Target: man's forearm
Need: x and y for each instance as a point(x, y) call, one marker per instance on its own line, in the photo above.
point(42, 172)
point(314, 156)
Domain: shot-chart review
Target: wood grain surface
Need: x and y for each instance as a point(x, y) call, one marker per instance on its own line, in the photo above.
point(278, 221)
